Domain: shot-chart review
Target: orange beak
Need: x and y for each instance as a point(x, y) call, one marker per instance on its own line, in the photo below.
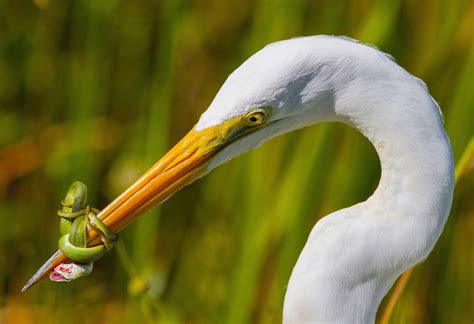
point(183, 164)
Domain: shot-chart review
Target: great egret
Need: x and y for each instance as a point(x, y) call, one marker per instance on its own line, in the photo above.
point(353, 256)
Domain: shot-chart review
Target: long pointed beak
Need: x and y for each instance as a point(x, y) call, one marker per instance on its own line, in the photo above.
point(183, 164)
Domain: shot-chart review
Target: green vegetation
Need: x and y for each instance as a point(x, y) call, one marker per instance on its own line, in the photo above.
point(94, 89)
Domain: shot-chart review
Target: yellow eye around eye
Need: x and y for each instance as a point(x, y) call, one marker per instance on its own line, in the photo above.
point(256, 117)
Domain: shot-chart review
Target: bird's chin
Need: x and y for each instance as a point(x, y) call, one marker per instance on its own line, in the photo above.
point(247, 142)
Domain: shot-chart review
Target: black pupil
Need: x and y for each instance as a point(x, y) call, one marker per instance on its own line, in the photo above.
point(253, 119)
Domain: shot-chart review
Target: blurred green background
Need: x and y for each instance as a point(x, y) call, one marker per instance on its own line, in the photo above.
point(94, 89)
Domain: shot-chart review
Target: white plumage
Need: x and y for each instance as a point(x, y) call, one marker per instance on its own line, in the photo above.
point(353, 256)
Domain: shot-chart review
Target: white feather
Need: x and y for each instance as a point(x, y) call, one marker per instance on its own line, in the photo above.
point(354, 255)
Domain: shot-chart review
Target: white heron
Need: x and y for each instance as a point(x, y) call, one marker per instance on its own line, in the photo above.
point(352, 256)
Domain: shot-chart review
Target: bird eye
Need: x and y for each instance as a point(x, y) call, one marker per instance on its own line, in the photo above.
point(256, 117)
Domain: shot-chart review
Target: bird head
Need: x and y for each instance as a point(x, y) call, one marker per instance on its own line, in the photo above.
point(280, 88)
point(285, 86)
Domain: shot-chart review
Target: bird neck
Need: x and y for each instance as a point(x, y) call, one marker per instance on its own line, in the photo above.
point(354, 255)
point(406, 214)
point(417, 168)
